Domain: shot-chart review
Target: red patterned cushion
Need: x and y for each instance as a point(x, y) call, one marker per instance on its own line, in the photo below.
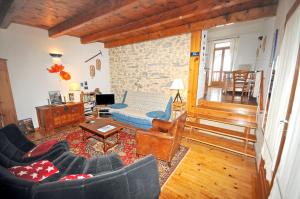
point(76, 177)
point(40, 149)
point(36, 172)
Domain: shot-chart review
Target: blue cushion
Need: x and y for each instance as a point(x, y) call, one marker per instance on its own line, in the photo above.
point(118, 106)
point(156, 114)
point(168, 110)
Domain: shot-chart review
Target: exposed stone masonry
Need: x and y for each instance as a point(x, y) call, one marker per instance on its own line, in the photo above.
point(150, 66)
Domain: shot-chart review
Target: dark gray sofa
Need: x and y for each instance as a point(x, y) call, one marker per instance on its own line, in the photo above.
point(111, 179)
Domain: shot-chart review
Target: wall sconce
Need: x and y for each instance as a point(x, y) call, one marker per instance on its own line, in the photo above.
point(56, 58)
point(57, 66)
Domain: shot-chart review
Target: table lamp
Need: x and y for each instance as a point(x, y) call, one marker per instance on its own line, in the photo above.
point(177, 84)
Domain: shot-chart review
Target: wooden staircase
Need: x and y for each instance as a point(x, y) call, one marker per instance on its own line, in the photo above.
point(227, 116)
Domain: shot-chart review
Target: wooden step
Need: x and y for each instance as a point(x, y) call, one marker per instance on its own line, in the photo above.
point(222, 143)
point(221, 131)
point(231, 107)
point(233, 111)
point(226, 114)
point(226, 120)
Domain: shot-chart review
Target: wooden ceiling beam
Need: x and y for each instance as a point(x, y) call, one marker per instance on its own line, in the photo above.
point(7, 9)
point(246, 15)
point(100, 11)
point(178, 15)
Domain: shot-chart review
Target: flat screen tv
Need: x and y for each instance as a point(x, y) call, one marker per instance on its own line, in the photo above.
point(105, 99)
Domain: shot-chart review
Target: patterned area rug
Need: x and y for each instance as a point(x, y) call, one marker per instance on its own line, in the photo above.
point(126, 149)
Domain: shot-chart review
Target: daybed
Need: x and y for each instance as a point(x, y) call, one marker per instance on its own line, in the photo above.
point(139, 109)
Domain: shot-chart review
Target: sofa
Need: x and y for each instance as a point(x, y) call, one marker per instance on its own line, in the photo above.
point(110, 178)
point(139, 109)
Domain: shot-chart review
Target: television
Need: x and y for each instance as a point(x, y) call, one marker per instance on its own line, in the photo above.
point(105, 99)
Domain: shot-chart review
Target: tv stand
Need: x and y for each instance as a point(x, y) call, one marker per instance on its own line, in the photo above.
point(104, 111)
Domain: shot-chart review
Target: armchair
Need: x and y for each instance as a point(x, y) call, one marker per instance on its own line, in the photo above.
point(162, 140)
point(14, 144)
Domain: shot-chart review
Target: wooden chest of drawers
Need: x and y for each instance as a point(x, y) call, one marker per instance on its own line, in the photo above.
point(51, 117)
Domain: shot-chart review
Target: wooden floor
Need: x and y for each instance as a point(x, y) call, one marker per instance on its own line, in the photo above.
point(207, 172)
point(215, 94)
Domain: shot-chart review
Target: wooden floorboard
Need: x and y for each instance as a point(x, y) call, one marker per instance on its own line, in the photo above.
point(208, 172)
point(216, 95)
point(220, 142)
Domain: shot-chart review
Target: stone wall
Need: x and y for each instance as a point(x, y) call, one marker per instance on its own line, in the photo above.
point(150, 66)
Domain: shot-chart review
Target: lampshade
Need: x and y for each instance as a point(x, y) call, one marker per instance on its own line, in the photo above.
point(177, 84)
point(74, 86)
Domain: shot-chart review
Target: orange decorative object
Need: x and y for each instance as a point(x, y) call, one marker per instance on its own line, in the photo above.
point(56, 68)
point(65, 75)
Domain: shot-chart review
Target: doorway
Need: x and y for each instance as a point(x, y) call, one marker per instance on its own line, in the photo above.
point(221, 62)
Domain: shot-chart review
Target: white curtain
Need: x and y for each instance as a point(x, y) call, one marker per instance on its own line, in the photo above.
point(234, 43)
point(284, 72)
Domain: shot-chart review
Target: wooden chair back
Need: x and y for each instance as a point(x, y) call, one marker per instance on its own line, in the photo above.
point(240, 78)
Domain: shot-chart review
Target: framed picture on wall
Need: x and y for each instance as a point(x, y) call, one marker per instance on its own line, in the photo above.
point(55, 97)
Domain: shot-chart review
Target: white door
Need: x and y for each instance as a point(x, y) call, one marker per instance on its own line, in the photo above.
point(281, 92)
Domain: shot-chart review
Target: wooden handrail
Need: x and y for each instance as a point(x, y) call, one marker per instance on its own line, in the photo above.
point(261, 92)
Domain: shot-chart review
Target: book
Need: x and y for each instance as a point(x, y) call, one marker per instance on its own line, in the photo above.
point(106, 128)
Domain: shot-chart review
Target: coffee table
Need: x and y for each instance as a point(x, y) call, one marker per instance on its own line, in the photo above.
point(91, 127)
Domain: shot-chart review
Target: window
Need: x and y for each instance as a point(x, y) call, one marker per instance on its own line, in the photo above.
point(222, 45)
point(221, 61)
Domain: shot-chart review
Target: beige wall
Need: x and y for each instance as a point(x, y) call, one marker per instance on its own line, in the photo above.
point(150, 66)
point(27, 51)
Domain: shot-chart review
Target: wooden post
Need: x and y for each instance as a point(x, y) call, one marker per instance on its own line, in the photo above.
point(194, 71)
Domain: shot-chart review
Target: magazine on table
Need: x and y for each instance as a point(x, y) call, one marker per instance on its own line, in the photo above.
point(106, 128)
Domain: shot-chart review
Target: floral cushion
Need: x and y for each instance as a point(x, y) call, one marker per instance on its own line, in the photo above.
point(76, 177)
point(36, 172)
point(40, 149)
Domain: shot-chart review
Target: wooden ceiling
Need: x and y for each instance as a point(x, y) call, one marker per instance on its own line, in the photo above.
point(121, 22)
